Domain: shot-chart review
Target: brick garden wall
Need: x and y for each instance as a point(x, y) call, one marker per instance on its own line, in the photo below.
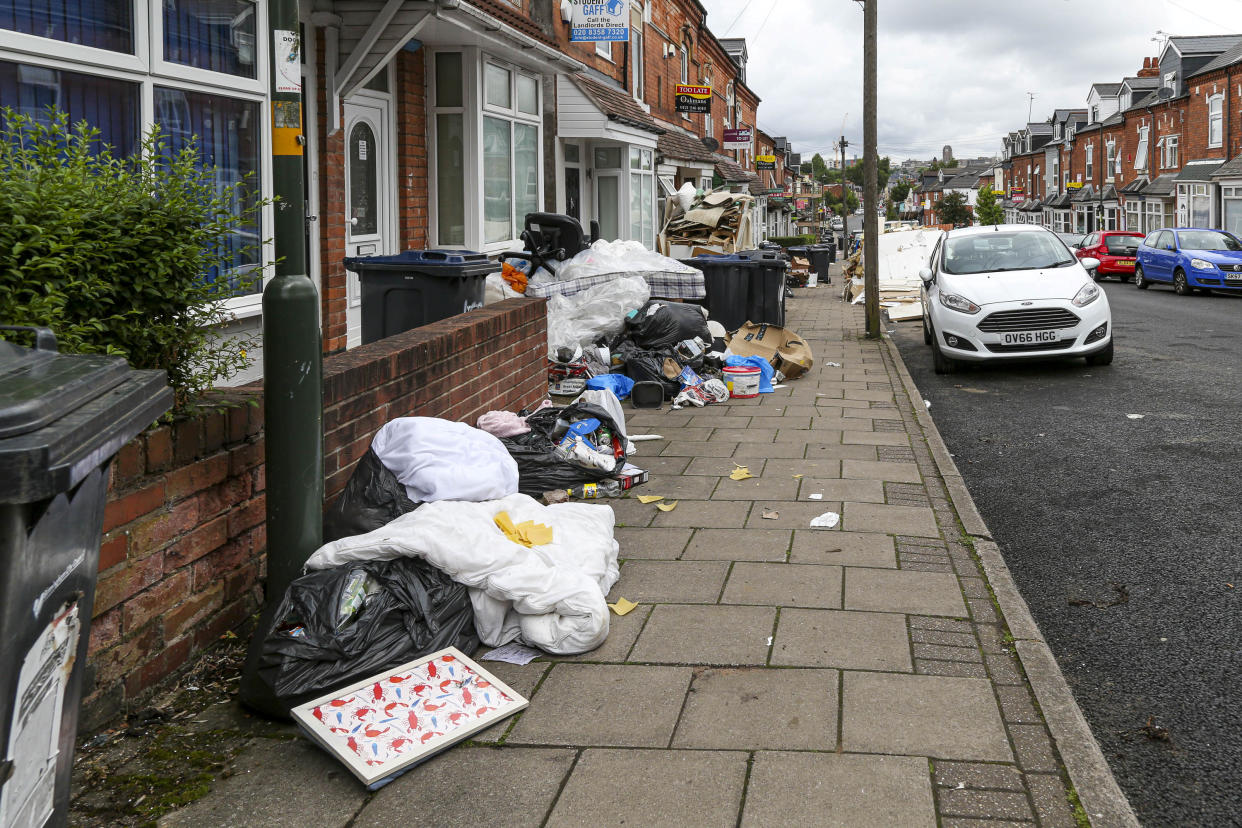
point(182, 560)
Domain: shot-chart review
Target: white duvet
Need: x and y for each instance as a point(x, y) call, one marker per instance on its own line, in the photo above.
point(550, 597)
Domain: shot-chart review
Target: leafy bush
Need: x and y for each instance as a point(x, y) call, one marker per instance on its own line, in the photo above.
point(793, 241)
point(115, 254)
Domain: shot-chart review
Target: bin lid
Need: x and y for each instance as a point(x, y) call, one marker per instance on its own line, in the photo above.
point(423, 258)
point(38, 386)
point(62, 416)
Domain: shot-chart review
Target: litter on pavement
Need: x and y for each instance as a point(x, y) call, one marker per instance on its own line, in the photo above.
point(827, 520)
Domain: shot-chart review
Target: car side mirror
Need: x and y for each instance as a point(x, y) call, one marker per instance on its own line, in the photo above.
point(926, 275)
point(1090, 263)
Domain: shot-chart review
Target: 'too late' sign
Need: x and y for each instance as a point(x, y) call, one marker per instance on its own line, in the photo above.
point(693, 98)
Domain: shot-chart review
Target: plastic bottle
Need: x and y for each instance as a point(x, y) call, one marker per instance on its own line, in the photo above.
point(580, 454)
point(591, 491)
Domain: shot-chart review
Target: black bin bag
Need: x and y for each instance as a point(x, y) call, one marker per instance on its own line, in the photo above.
point(314, 647)
point(539, 468)
point(372, 497)
point(669, 324)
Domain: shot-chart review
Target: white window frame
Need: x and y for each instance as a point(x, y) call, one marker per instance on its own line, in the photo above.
point(1216, 120)
point(638, 57)
point(474, 108)
point(1170, 81)
point(603, 48)
point(147, 69)
point(645, 171)
point(1140, 153)
point(1110, 160)
point(1090, 160)
point(1168, 152)
point(1133, 216)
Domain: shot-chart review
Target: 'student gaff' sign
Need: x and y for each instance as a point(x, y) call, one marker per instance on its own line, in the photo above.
point(600, 21)
point(693, 98)
point(736, 139)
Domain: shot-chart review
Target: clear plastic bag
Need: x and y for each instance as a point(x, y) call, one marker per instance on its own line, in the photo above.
point(597, 313)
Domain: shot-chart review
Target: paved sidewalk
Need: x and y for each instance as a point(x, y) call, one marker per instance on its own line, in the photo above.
point(774, 674)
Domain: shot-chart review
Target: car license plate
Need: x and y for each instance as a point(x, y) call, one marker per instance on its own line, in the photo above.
point(1029, 337)
point(1125, 261)
point(1233, 277)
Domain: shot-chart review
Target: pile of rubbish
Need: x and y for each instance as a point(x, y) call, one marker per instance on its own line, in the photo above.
point(902, 254)
point(713, 222)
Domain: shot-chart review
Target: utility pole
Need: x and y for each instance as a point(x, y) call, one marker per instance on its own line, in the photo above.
point(845, 210)
point(292, 355)
point(871, 222)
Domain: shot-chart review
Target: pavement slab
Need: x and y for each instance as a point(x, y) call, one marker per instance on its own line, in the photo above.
point(816, 546)
point(839, 791)
point(765, 710)
point(732, 545)
point(688, 634)
point(677, 582)
point(783, 585)
point(844, 639)
point(890, 590)
point(673, 788)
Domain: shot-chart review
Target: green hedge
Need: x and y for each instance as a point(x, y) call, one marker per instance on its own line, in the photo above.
point(794, 241)
point(113, 252)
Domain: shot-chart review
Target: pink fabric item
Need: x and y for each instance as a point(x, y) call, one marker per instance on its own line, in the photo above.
point(506, 423)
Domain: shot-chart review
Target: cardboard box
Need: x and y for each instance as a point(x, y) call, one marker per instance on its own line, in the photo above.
point(783, 348)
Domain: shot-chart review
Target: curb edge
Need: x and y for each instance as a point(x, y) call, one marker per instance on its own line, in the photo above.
point(1097, 788)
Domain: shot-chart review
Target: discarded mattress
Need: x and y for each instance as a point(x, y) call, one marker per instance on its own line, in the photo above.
point(550, 597)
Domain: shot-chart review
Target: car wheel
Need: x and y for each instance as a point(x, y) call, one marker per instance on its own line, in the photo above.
point(1181, 286)
point(1102, 357)
point(942, 364)
point(1140, 281)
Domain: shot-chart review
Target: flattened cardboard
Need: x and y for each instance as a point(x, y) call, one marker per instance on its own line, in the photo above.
point(388, 723)
point(788, 352)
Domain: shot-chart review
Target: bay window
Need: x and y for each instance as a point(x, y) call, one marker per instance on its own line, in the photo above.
point(486, 132)
point(196, 69)
point(1134, 219)
point(1231, 208)
point(642, 196)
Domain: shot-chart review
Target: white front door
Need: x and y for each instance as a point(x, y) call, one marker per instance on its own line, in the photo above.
point(369, 179)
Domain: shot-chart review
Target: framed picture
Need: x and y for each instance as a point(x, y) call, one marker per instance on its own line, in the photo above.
point(388, 723)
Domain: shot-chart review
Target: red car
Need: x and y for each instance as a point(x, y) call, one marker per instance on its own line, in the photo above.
point(1115, 250)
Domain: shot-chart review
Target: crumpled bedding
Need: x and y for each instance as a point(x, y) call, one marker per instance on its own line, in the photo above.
point(551, 597)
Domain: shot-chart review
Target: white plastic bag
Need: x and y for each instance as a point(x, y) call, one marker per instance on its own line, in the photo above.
point(604, 258)
point(598, 312)
point(439, 459)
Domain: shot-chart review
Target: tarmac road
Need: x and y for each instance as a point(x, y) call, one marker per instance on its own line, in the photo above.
point(1123, 533)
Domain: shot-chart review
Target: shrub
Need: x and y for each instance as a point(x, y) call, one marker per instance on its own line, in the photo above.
point(116, 254)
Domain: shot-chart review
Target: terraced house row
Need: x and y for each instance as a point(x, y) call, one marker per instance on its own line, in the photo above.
point(427, 123)
point(1162, 148)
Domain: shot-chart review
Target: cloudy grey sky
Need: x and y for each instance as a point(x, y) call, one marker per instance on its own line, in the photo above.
point(950, 71)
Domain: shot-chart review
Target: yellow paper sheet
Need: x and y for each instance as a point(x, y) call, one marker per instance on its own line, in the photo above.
point(649, 498)
point(740, 473)
point(622, 606)
point(527, 533)
point(667, 507)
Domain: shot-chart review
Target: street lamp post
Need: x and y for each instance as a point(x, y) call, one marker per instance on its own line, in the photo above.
point(871, 223)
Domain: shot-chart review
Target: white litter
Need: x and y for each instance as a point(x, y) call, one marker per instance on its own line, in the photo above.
point(643, 438)
point(512, 653)
point(769, 641)
point(826, 521)
point(816, 496)
point(833, 364)
point(927, 403)
point(1135, 416)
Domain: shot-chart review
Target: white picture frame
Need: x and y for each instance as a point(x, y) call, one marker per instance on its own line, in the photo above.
point(413, 712)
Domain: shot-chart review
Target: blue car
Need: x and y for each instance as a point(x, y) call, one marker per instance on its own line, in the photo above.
point(1190, 259)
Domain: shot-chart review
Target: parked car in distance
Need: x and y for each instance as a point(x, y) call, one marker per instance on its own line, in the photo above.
point(1115, 250)
point(837, 224)
point(1190, 259)
point(1011, 292)
point(1072, 240)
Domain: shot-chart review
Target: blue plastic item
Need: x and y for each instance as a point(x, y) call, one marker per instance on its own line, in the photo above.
point(618, 384)
point(580, 430)
point(766, 371)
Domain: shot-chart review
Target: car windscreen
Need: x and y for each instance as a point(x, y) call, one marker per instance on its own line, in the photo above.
point(1122, 245)
point(997, 251)
point(1208, 240)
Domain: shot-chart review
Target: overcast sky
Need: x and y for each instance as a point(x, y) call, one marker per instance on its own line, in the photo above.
point(950, 71)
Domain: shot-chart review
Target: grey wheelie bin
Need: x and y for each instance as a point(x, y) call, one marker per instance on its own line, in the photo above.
point(62, 419)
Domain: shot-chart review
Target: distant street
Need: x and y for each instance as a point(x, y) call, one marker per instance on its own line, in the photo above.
point(1113, 492)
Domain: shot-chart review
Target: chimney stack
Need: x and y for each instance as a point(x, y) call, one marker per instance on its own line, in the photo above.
point(1151, 68)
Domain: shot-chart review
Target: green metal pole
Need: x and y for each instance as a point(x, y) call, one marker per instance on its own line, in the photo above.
point(292, 346)
point(292, 357)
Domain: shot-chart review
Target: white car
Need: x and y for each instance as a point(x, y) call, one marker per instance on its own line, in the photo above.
point(1012, 292)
